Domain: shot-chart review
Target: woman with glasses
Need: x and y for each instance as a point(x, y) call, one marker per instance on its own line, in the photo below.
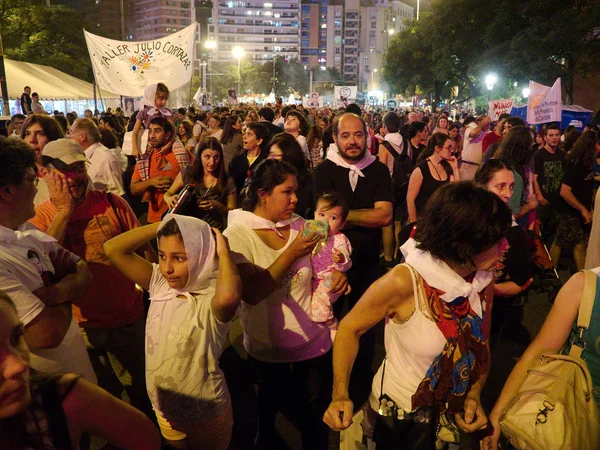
point(437, 167)
point(513, 273)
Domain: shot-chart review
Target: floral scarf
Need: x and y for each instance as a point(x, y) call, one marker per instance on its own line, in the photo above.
point(464, 359)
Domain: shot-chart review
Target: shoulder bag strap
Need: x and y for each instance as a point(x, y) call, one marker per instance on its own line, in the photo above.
point(588, 295)
point(390, 148)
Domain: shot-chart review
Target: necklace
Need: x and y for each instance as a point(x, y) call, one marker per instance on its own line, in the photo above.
point(436, 171)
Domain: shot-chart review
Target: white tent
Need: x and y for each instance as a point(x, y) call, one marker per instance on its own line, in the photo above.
point(49, 83)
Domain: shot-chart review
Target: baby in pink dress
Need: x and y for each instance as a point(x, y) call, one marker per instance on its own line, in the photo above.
point(333, 254)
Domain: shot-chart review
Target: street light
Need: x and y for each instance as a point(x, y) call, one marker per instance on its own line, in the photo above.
point(525, 92)
point(238, 52)
point(210, 44)
point(490, 80)
point(391, 31)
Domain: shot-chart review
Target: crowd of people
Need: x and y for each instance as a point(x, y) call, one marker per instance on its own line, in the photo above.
point(130, 245)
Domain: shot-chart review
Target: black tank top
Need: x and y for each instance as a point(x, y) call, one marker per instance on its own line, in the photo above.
point(428, 186)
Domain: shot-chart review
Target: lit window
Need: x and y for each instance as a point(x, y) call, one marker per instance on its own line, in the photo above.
point(323, 25)
point(268, 5)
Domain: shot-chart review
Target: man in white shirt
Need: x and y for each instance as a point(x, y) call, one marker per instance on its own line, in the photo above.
point(472, 153)
point(40, 276)
point(104, 169)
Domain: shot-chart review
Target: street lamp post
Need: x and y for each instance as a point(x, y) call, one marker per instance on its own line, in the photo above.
point(373, 72)
point(209, 45)
point(238, 52)
point(490, 80)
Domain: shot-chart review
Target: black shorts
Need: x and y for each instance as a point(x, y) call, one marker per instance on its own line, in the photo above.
point(571, 231)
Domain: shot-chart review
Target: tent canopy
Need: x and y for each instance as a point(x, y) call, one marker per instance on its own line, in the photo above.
point(49, 83)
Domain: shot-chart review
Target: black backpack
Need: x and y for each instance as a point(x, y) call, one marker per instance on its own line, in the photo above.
point(403, 167)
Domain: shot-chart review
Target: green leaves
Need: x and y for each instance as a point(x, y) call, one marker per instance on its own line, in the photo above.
point(459, 41)
point(51, 36)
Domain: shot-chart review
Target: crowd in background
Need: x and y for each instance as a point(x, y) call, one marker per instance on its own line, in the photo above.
point(315, 228)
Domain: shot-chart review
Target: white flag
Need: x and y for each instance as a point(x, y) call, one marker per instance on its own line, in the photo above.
point(544, 103)
point(127, 67)
point(498, 107)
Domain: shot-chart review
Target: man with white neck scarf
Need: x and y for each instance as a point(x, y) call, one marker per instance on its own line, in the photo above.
point(365, 184)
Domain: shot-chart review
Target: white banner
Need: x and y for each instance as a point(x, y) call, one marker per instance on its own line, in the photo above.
point(498, 107)
point(127, 67)
point(344, 95)
point(544, 103)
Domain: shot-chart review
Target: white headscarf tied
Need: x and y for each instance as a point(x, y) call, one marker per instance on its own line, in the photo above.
point(355, 170)
point(148, 100)
point(201, 248)
point(247, 218)
point(439, 275)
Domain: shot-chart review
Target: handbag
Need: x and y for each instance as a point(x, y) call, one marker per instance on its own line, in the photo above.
point(554, 408)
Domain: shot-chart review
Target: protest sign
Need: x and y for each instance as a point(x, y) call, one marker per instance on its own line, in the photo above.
point(544, 103)
point(498, 107)
point(127, 67)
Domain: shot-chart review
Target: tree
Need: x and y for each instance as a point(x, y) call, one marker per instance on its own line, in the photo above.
point(46, 35)
point(545, 39)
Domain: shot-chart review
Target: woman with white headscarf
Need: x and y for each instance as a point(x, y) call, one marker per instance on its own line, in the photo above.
point(195, 290)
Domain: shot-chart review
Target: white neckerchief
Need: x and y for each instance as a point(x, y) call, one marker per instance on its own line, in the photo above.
point(439, 275)
point(201, 250)
point(148, 100)
point(23, 232)
point(247, 218)
point(396, 140)
point(354, 170)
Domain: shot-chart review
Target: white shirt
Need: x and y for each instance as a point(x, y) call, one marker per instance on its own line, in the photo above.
point(183, 346)
point(279, 328)
point(217, 135)
point(29, 264)
point(302, 141)
point(104, 169)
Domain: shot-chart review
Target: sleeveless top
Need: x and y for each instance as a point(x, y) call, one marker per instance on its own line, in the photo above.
point(428, 186)
point(410, 349)
point(591, 337)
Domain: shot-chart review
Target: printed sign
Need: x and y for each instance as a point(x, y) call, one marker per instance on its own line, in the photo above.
point(498, 107)
point(344, 95)
point(127, 67)
point(544, 103)
point(232, 96)
point(392, 104)
point(314, 100)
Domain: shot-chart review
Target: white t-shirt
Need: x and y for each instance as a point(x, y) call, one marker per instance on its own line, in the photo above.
point(184, 342)
point(104, 169)
point(279, 328)
point(217, 135)
point(302, 141)
point(29, 264)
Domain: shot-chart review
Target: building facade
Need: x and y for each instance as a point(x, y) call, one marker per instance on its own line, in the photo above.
point(152, 19)
point(264, 30)
point(381, 19)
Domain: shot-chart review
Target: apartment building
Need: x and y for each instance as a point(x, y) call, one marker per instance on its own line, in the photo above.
point(152, 19)
point(264, 30)
point(381, 19)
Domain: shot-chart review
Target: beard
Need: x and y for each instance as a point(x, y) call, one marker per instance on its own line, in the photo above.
point(352, 158)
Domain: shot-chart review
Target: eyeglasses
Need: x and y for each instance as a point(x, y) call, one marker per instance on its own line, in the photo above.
point(35, 180)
